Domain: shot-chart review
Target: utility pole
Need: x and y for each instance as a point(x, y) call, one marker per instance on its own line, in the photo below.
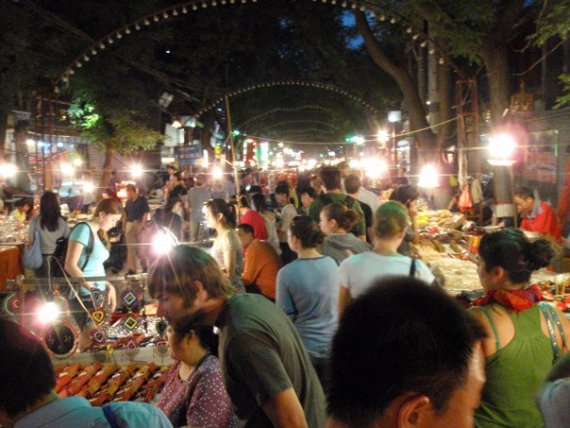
point(231, 135)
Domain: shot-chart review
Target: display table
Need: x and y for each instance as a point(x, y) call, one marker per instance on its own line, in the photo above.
point(102, 383)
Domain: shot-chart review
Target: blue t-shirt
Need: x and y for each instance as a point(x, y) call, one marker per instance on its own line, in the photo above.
point(307, 290)
point(72, 412)
point(98, 256)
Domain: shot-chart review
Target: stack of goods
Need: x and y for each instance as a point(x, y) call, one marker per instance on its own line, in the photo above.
point(131, 331)
point(441, 218)
point(555, 288)
point(12, 231)
point(439, 243)
point(104, 383)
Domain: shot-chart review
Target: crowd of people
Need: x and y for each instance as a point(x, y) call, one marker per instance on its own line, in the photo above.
point(310, 309)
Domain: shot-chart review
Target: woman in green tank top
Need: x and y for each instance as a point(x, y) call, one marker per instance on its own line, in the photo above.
point(525, 336)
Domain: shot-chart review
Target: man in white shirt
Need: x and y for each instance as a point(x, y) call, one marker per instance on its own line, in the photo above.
point(364, 195)
point(197, 197)
point(288, 213)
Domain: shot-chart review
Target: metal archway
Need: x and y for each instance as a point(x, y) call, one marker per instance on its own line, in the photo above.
point(187, 7)
point(282, 110)
point(264, 85)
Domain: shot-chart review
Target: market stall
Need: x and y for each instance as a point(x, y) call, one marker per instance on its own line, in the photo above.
point(448, 244)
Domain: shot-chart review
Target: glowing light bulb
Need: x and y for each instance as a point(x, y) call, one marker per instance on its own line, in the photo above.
point(501, 149)
point(8, 170)
point(217, 173)
point(48, 312)
point(163, 242)
point(428, 177)
point(136, 170)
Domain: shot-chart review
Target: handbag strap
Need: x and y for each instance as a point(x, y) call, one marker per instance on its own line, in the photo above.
point(110, 416)
point(90, 244)
point(413, 268)
point(552, 320)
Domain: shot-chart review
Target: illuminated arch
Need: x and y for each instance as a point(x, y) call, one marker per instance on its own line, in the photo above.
point(315, 107)
point(292, 122)
point(195, 5)
point(323, 86)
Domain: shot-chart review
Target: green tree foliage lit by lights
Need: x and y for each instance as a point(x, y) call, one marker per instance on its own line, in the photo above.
point(555, 24)
point(475, 32)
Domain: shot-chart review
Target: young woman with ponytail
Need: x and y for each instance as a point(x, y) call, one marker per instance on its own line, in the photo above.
point(79, 263)
point(524, 336)
point(358, 273)
point(307, 291)
point(336, 221)
point(227, 249)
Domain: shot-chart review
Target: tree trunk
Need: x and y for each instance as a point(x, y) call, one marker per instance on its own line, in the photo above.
point(3, 129)
point(21, 136)
point(107, 167)
point(412, 100)
point(444, 105)
point(496, 62)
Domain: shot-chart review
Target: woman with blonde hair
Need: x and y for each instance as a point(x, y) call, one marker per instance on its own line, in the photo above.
point(358, 273)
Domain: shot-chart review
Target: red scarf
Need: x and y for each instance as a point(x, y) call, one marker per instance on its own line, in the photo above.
point(513, 300)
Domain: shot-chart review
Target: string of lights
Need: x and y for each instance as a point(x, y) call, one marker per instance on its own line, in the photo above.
point(374, 11)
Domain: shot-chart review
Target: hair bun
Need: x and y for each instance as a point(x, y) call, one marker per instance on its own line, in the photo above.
point(540, 253)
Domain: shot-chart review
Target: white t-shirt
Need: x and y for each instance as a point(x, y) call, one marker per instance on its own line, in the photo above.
point(288, 213)
point(369, 198)
point(358, 272)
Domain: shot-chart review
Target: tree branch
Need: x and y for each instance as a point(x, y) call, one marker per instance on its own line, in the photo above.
point(507, 19)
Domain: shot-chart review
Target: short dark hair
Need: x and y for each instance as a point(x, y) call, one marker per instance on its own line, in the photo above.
point(307, 230)
point(26, 369)
point(309, 191)
point(22, 202)
point(177, 272)
point(330, 176)
point(282, 189)
point(178, 175)
point(405, 194)
point(131, 187)
point(246, 228)
point(205, 333)
point(352, 183)
point(511, 250)
point(400, 336)
point(524, 192)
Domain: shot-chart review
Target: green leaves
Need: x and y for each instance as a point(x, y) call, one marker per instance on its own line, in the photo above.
point(564, 100)
point(554, 23)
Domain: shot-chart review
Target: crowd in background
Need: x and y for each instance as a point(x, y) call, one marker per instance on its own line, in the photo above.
point(318, 298)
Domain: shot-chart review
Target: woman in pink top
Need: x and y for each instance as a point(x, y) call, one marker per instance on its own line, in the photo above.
point(194, 393)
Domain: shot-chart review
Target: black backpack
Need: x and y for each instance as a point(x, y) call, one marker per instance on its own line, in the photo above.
point(61, 251)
